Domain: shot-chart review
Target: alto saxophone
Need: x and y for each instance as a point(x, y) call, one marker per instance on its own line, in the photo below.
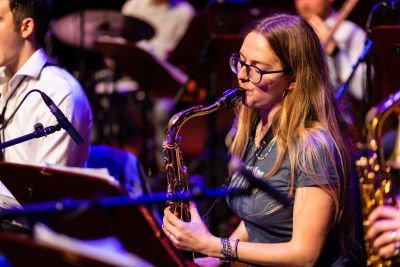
point(176, 171)
point(376, 185)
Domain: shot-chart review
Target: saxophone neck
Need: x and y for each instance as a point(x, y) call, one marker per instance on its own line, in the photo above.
point(229, 97)
point(179, 119)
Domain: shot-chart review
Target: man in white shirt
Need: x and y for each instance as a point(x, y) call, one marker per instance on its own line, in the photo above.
point(24, 66)
point(347, 43)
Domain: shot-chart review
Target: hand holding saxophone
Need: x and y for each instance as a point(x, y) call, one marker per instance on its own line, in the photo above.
point(384, 232)
point(191, 236)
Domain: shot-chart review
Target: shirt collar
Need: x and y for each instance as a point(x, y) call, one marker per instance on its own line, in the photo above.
point(34, 65)
point(32, 68)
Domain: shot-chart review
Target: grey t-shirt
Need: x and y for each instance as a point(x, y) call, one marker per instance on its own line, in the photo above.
point(266, 220)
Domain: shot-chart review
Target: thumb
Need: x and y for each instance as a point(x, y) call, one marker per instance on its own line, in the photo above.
point(194, 213)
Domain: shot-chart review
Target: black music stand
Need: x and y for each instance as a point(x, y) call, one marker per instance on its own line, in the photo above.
point(157, 77)
point(134, 226)
point(386, 61)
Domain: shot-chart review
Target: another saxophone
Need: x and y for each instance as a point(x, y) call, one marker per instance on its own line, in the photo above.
point(376, 185)
point(176, 171)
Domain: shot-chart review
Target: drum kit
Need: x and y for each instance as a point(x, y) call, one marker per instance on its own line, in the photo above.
point(135, 75)
point(115, 36)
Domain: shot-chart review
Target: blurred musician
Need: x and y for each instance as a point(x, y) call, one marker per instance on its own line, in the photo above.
point(170, 19)
point(347, 43)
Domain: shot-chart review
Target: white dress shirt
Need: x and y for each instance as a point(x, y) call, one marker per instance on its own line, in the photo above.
point(67, 94)
point(350, 40)
point(170, 22)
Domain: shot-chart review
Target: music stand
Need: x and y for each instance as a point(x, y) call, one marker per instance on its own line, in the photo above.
point(386, 61)
point(36, 254)
point(134, 226)
point(157, 77)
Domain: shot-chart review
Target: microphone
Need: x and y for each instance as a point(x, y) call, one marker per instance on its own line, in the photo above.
point(62, 120)
point(235, 165)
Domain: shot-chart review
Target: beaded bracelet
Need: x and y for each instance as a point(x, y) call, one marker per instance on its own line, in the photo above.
point(235, 249)
point(230, 255)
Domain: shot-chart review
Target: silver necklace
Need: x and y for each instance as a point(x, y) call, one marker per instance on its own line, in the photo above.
point(259, 144)
point(260, 155)
point(257, 139)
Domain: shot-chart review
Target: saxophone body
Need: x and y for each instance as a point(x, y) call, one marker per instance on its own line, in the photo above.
point(376, 185)
point(176, 171)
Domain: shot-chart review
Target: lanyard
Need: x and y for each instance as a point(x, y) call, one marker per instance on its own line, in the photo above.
point(3, 112)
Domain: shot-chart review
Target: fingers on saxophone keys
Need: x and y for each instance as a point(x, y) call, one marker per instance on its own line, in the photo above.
point(396, 249)
point(167, 233)
point(384, 239)
point(393, 235)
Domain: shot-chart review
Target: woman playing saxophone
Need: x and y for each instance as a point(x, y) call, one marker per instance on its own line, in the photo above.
point(289, 132)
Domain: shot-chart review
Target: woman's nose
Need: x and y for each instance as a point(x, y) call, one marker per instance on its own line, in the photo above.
point(242, 73)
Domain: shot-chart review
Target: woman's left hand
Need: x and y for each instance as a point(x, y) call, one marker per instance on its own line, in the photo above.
point(191, 236)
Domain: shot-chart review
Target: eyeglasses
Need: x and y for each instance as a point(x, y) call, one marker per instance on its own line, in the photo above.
point(254, 73)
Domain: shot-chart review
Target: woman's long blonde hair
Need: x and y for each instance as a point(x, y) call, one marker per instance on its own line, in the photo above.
point(307, 128)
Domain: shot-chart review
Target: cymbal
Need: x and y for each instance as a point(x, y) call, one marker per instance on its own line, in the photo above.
point(98, 23)
point(156, 76)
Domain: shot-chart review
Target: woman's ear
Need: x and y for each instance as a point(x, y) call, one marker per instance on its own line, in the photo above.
point(27, 27)
point(292, 82)
point(292, 85)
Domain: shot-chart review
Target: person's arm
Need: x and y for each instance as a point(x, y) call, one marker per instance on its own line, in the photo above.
point(312, 216)
point(323, 33)
point(348, 54)
point(240, 233)
point(313, 209)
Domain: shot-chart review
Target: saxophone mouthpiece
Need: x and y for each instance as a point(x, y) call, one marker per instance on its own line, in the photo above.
point(230, 96)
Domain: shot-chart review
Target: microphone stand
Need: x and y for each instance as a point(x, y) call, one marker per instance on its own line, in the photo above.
point(363, 56)
point(70, 205)
point(39, 132)
point(197, 193)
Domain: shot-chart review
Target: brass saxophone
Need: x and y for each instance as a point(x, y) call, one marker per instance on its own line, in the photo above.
point(376, 185)
point(176, 171)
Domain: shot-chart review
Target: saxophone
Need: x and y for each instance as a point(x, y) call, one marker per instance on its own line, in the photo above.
point(176, 171)
point(376, 185)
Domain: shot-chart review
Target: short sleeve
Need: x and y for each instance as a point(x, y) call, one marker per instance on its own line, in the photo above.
point(319, 168)
point(303, 179)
